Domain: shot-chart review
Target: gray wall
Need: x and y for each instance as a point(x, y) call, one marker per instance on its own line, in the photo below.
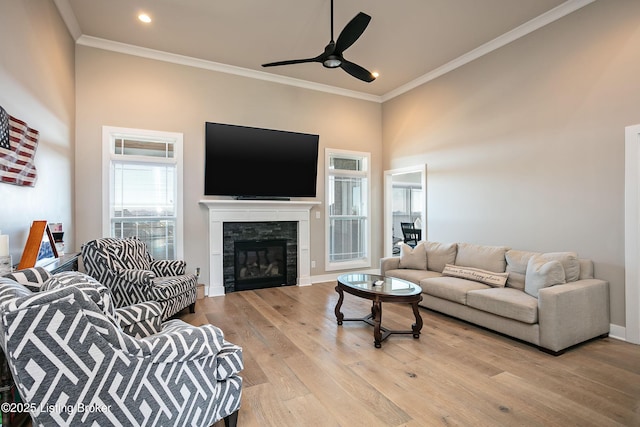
point(525, 146)
point(37, 86)
point(122, 90)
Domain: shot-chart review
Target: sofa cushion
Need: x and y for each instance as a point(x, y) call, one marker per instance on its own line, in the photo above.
point(450, 288)
point(440, 254)
point(413, 276)
point(569, 261)
point(490, 278)
point(415, 258)
point(506, 302)
point(491, 258)
point(542, 273)
point(517, 267)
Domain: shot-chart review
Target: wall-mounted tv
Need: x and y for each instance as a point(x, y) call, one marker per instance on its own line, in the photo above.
point(248, 162)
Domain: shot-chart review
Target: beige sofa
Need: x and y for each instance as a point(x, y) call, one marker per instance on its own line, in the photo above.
point(550, 300)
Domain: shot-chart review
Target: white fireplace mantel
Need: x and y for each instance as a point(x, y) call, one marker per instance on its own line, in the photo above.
point(221, 211)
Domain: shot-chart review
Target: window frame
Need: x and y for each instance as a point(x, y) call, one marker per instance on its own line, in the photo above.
point(109, 134)
point(365, 158)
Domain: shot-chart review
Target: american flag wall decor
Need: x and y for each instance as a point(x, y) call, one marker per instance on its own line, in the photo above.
point(18, 143)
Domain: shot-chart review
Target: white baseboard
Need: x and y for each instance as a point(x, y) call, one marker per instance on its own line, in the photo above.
point(617, 332)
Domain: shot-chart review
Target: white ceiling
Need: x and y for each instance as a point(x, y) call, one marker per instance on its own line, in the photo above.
point(407, 41)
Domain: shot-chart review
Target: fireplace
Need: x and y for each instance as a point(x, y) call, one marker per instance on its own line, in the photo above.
point(250, 247)
point(259, 264)
point(223, 212)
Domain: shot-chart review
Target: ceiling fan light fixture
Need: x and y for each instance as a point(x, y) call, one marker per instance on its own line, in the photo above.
point(332, 62)
point(332, 55)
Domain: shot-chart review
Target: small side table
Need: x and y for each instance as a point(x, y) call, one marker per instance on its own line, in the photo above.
point(67, 262)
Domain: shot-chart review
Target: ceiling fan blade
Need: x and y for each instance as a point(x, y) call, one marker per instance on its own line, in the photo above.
point(357, 71)
point(352, 31)
point(291, 61)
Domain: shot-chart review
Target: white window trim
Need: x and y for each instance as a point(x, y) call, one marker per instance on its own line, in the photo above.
point(346, 265)
point(109, 133)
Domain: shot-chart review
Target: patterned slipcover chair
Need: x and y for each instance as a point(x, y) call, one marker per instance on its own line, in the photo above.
point(133, 276)
point(73, 364)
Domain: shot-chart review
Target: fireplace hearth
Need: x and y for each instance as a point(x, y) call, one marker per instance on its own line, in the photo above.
point(260, 264)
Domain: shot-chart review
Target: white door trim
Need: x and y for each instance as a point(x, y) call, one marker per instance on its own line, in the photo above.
point(632, 233)
point(388, 204)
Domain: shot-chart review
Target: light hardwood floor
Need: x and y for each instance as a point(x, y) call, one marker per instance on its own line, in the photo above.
point(302, 369)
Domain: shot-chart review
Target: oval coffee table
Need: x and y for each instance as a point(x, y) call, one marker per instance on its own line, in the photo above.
point(379, 289)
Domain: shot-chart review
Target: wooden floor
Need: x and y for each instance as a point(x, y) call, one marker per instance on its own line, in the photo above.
point(302, 369)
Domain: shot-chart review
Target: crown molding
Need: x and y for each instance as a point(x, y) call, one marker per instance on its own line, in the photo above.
point(528, 27)
point(69, 18)
point(217, 66)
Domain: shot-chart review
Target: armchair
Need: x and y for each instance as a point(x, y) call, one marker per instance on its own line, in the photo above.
point(133, 276)
point(74, 365)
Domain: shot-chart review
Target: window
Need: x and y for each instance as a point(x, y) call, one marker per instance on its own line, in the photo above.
point(348, 210)
point(143, 172)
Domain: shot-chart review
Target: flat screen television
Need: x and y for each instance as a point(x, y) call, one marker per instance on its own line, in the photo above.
point(248, 162)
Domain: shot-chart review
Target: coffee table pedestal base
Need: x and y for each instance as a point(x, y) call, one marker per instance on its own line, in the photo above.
point(374, 319)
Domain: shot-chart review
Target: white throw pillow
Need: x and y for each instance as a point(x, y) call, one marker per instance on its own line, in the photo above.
point(497, 280)
point(542, 273)
point(414, 258)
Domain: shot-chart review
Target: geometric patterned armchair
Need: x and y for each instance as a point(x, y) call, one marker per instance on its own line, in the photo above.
point(73, 364)
point(133, 276)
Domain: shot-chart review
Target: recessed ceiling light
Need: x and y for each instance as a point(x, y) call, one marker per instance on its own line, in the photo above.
point(144, 18)
point(375, 74)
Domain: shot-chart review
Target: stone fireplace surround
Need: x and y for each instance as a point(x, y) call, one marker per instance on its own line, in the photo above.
point(221, 211)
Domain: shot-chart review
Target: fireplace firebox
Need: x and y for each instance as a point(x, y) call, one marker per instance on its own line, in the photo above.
point(260, 263)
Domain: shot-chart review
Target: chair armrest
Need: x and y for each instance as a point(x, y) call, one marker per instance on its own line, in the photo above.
point(32, 278)
point(141, 320)
point(389, 263)
point(229, 361)
point(573, 312)
point(179, 341)
point(168, 267)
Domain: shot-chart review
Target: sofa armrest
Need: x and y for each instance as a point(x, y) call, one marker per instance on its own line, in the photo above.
point(573, 312)
point(389, 263)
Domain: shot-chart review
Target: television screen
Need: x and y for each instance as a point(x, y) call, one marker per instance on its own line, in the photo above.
point(252, 162)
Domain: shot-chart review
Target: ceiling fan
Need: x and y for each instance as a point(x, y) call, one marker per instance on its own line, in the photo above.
point(332, 55)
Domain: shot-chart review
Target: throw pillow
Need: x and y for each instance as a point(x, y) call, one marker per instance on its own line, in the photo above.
point(497, 280)
point(414, 258)
point(542, 273)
